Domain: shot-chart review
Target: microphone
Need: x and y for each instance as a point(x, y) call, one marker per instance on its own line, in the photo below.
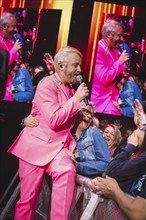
point(15, 37)
point(121, 47)
point(80, 80)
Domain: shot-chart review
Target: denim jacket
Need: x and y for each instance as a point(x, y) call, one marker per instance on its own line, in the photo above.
point(22, 86)
point(129, 93)
point(93, 152)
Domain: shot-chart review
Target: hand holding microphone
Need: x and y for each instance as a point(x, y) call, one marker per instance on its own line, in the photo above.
point(17, 45)
point(124, 56)
point(82, 91)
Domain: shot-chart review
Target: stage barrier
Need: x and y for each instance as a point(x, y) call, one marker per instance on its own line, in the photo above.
point(87, 205)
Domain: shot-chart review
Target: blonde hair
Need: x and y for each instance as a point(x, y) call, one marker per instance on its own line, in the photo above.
point(118, 135)
point(62, 56)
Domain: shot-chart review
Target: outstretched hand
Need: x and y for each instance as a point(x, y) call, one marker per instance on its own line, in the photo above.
point(138, 113)
point(49, 62)
point(105, 186)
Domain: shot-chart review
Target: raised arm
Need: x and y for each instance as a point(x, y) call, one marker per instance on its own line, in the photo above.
point(138, 113)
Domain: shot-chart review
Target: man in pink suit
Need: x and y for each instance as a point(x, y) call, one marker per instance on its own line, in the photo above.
point(108, 66)
point(44, 148)
point(8, 27)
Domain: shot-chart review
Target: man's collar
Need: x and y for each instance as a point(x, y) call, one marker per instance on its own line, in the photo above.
point(58, 78)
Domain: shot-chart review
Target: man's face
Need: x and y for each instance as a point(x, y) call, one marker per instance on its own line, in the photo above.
point(117, 37)
point(87, 116)
point(71, 69)
point(11, 28)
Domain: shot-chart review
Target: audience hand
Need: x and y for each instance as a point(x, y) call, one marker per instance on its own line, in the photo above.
point(138, 113)
point(117, 105)
point(31, 121)
point(117, 123)
point(49, 62)
point(10, 91)
point(105, 186)
point(71, 155)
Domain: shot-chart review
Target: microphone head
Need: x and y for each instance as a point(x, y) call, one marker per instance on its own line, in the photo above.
point(121, 47)
point(79, 78)
point(15, 36)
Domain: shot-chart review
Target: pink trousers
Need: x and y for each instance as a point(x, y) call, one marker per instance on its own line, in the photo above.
point(62, 170)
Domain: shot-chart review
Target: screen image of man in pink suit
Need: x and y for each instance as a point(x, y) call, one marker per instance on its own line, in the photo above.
point(8, 27)
point(108, 66)
point(44, 148)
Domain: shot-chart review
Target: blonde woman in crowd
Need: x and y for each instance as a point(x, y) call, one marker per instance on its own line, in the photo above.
point(112, 134)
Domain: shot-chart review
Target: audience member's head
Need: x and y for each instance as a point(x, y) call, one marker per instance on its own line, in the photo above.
point(84, 118)
point(131, 78)
point(37, 69)
point(88, 114)
point(112, 134)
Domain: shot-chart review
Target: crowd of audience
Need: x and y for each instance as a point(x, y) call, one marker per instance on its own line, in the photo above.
point(98, 151)
point(129, 170)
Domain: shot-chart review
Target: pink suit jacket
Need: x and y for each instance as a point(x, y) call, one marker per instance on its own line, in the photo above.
point(13, 55)
point(55, 107)
point(8, 46)
point(107, 68)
